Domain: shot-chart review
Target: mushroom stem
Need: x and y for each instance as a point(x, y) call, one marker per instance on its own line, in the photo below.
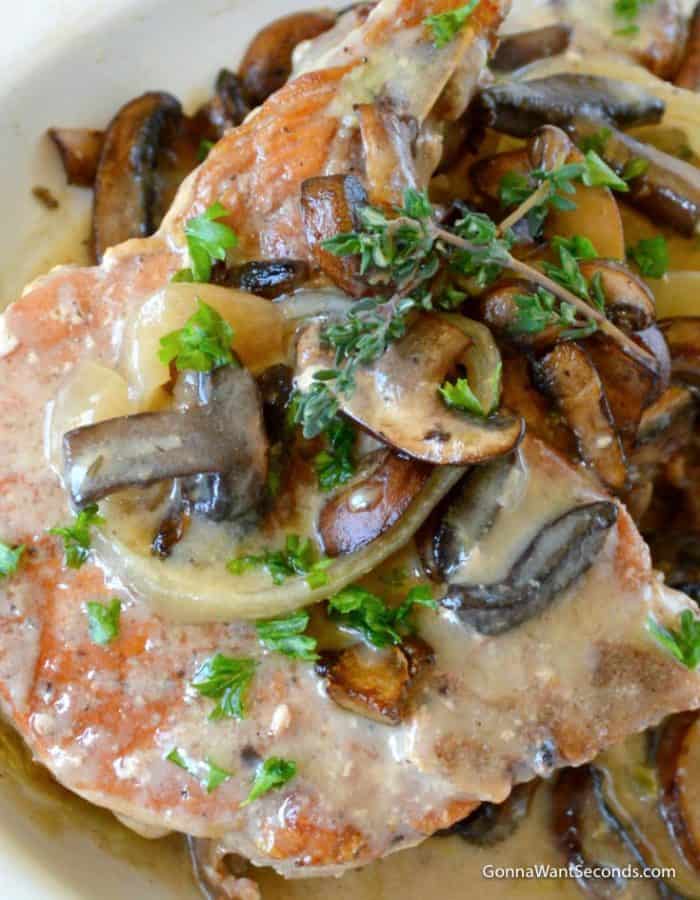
point(531, 274)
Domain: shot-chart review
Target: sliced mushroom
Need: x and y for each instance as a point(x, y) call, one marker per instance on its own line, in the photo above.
point(267, 63)
point(492, 823)
point(629, 387)
point(568, 375)
point(397, 397)
point(678, 750)
point(666, 426)
point(329, 207)
point(226, 109)
point(387, 142)
point(688, 75)
point(572, 790)
point(668, 191)
point(520, 107)
point(519, 392)
point(560, 554)
point(629, 302)
point(269, 278)
point(371, 503)
point(548, 148)
point(468, 512)
point(375, 684)
point(683, 338)
point(518, 50)
point(126, 190)
point(224, 437)
point(80, 150)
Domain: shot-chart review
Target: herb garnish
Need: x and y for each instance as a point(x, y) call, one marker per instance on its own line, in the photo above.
point(103, 620)
point(651, 256)
point(9, 559)
point(273, 773)
point(202, 344)
point(540, 310)
point(334, 466)
point(460, 395)
point(76, 537)
point(683, 644)
point(207, 241)
point(599, 174)
point(367, 613)
point(205, 147)
point(297, 558)
point(406, 253)
point(628, 11)
point(446, 26)
point(286, 635)
point(225, 679)
point(207, 773)
point(635, 167)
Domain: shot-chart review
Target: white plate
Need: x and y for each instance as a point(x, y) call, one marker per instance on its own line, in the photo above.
point(74, 62)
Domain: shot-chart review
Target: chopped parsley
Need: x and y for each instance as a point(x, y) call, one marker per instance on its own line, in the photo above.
point(9, 559)
point(204, 149)
point(76, 537)
point(202, 344)
point(684, 645)
point(651, 256)
point(335, 466)
point(635, 168)
point(380, 625)
point(627, 11)
point(103, 621)
point(207, 773)
point(286, 635)
point(599, 174)
point(459, 394)
point(207, 241)
point(297, 558)
point(225, 679)
point(446, 26)
point(274, 773)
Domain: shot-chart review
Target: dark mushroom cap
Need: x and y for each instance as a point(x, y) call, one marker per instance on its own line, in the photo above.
point(397, 398)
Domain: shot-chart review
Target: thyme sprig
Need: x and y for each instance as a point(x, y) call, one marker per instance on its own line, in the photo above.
point(405, 253)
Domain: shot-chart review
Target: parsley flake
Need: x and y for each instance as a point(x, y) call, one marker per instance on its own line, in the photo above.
point(225, 679)
point(286, 635)
point(651, 256)
point(76, 537)
point(684, 645)
point(103, 621)
point(597, 141)
point(335, 466)
point(635, 168)
point(459, 395)
point(599, 174)
point(628, 11)
point(380, 625)
point(297, 558)
point(446, 26)
point(9, 559)
point(207, 772)
point(202, 344)
point(274, 773)
point(207, 241)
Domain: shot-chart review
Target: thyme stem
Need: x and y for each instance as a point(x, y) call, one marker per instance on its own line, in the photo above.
point(531, 274)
